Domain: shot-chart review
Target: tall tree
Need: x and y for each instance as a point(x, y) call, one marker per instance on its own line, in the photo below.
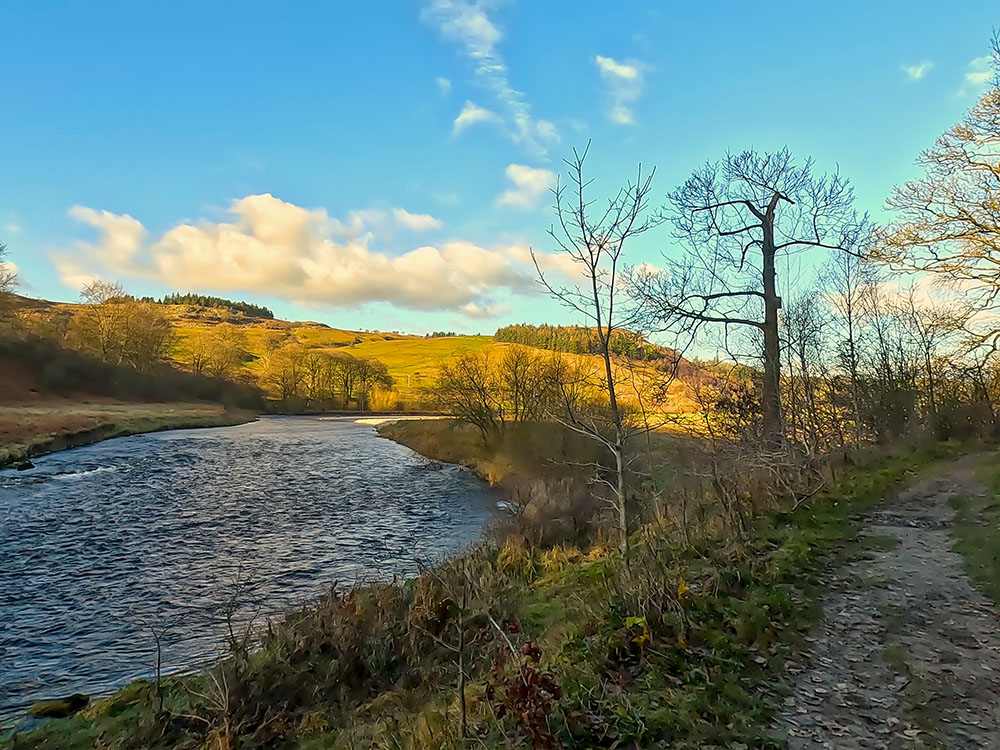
point(737, 218)
point(949, 219)
point(594, 238)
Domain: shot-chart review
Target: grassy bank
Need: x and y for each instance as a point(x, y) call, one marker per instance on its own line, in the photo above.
point(524, 452)
point(42, 427)
point(553, 646)
point(976, 529)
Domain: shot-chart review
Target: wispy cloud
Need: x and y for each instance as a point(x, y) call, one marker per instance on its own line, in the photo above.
point(443, 84)
point(270, 246)
point(624, 82)
point(416, 222)
point(471, 114)
point(918, 71)
point(467, 23)
point(12, 228)
point(529, 186)
point(977, 75)
point(979, 71)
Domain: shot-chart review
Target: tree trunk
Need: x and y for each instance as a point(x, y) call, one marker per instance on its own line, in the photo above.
point(773, 424)
point(622, 510)
point(619, 448)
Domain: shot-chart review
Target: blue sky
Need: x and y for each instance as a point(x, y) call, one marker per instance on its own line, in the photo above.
point(384, 165)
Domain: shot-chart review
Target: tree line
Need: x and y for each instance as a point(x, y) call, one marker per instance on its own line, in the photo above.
point(321, 379)
point(580, 340)
point(203, 300)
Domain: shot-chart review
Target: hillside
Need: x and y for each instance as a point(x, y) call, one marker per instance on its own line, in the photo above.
point(54, 397)
point(411, 362)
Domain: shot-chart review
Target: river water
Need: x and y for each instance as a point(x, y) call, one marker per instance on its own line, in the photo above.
point(103, 545)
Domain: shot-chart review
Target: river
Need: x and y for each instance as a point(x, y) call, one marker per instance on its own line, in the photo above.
point(103, 545)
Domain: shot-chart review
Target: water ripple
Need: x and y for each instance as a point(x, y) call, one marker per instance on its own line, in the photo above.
point(99, 543)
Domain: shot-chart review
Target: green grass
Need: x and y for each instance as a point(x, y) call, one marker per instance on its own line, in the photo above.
point(412, 361)
point(313, 336)
point(976, 529)
point(418, 358)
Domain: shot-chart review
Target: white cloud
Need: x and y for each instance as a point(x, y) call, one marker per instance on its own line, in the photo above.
point(624, 82)
point(467, 24)
point(977, 76)
point(481, 312)
point(416, 222)
point(443, 84)
point(12, 228)
point(121, 235)
point(918, 71)
point(979, 71)
point(72, 274)
point(471, 114)
point(560, 263)
point(530, 185)
point(269, 246)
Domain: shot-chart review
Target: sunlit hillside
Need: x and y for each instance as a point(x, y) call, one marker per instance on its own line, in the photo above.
point(412, 361)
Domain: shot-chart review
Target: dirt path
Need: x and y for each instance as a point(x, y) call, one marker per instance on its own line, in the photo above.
point(908, 653)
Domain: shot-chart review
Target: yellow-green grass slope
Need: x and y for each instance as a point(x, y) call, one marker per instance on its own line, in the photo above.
point(412, 361)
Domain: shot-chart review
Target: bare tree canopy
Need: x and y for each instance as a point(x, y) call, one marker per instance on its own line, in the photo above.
point(121, 330)
point(736, 218)
point(594, 237)
point(8, 276)
point(99, 291)
point(949, 219)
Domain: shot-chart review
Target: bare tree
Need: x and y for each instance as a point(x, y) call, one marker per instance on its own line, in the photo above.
point(8, 281)
point(121, 330)
point(100, 291)
point(949, 219)
point(8, 276)
point(929, 327)
point(737, 217)
point(844, 281)
point(595, 238)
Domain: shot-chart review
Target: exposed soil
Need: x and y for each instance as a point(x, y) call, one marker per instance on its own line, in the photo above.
point(908, 652)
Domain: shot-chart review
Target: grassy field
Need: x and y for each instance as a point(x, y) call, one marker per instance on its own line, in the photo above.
point(413, 362)
point(43, 426)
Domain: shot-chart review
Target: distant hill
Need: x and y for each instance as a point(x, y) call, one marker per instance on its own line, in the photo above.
point(411, 361)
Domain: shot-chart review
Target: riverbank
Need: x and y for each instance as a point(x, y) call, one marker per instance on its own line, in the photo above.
point(530, 645)
point(44, 426)
point(525, 452)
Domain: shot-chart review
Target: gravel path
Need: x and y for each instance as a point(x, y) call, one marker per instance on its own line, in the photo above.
point(908, 653)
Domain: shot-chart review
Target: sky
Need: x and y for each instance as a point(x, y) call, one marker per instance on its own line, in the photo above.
point(387, 165)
